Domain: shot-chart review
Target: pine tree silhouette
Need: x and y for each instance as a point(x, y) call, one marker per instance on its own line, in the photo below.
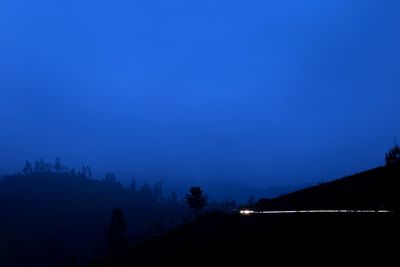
point(393, 155)
point(195, 200)
point(57, 165)
point(27, 168)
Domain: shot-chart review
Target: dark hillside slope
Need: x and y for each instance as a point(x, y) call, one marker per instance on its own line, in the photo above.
point(374, 189)
point(287, 239)
point(270, 240)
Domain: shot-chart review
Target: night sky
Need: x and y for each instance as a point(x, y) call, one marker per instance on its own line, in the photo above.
point(253, 92)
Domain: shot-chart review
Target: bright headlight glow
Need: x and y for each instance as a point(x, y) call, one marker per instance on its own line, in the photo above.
point(247, 212)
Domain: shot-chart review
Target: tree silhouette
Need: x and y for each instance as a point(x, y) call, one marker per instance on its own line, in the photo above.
point(72, 172)
point(42, 166)
point(110, 178)
point(37, 166)
point(57, 165)
point(27, 168)
point(133, 185)
point(393, 155)
point(88, 172)
point(146, 190)
point(116, 231)
point(157, 190)
point(83, 172)
point(195, 199)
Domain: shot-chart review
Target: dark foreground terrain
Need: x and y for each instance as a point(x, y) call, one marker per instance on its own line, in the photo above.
point(218, 239)
point(270, 240)
point(377, 188)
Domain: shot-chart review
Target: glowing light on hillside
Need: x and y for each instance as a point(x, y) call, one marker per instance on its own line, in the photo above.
point(247, 212)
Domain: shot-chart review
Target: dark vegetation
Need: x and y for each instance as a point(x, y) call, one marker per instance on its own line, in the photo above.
point(55, 216)
point(195, 200)
point(223, 239)
point(393, 155)
point(51, 215)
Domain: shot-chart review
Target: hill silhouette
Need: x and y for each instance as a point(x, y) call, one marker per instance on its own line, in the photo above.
point(48, 218)
point(287, 239)
point(378, 188)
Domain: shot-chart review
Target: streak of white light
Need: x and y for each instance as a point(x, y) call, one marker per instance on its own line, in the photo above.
point(249, 212)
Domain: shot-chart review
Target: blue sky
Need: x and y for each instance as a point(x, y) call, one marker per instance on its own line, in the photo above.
point(253, 92)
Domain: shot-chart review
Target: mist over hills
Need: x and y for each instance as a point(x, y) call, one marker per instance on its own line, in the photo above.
point(220, 190)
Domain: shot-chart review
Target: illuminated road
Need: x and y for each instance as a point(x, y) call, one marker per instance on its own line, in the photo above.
point(250, 212)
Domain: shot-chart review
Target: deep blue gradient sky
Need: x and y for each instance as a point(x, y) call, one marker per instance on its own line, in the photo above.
point(254, 92)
